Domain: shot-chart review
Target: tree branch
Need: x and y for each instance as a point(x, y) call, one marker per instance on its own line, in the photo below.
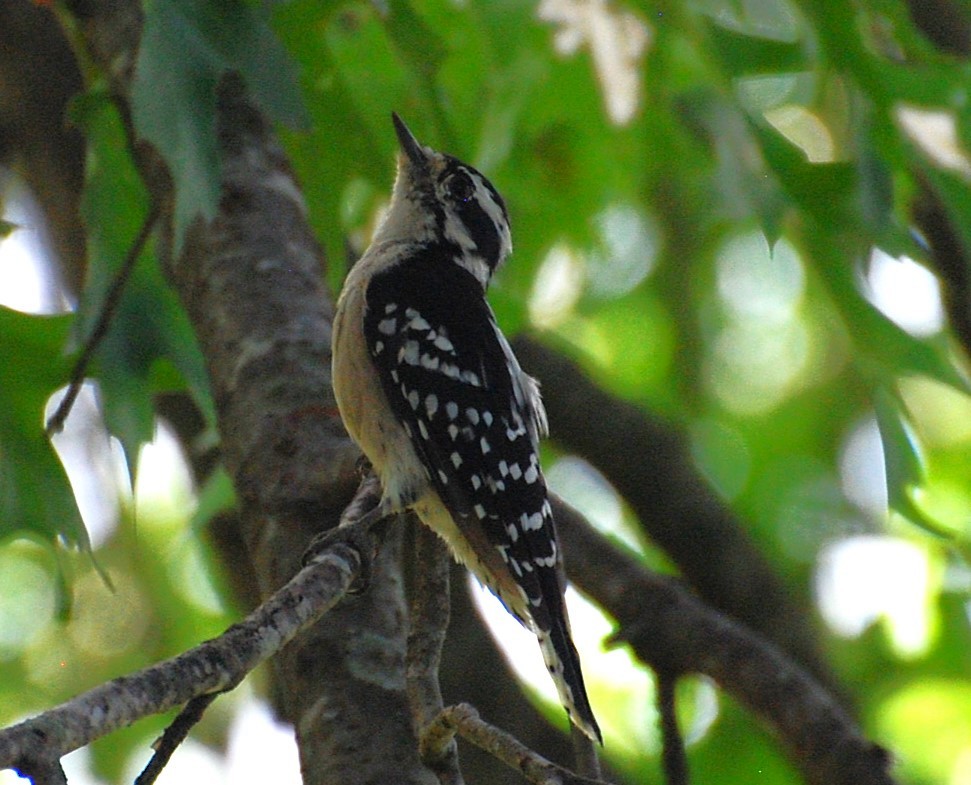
point(668, 628)
point(465, 721)
point(35, 746)
point(429, 624)
point(948, 257)
point(39, 76)
point(174, 735)
point(946, 23)
point(673, 756)
point(649, 463)
point(675, 633)
point(474, 671)
point(55, 423)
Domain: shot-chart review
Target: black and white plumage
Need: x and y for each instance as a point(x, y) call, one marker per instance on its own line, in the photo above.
point(429, 388)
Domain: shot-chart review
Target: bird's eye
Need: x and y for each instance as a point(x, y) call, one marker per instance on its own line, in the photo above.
point(459, 187)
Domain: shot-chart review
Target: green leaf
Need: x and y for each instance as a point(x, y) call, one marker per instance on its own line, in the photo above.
point(417, 44)
point(902, 460)
point(35, 495)
point(351, 142)
point(825, 189)
point(895, 351)
point(186, 47)
point(745, 184)
point(149, 326)
point(360, 34)
point(746, 54)
point(928, 85)
point(215, 496)
point(883, 349)
point(149, 323)
point(876, 198)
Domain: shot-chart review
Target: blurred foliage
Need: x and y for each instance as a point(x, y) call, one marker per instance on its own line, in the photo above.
point(696, 189)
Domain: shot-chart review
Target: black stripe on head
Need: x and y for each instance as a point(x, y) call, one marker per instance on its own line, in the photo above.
point(468, 193)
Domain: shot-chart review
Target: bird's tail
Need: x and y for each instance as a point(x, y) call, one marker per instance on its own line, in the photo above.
point(563, 663)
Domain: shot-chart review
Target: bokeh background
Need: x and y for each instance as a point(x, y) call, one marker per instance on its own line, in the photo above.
point(749, 218)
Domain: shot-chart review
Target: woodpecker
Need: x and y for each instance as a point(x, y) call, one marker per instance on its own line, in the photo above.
point(430, 390)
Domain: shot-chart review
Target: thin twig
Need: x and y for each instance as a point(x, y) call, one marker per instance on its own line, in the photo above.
point(429, 624)
point(174, 735)
point(464, 720)
point(43, 772)
point(113, 297)
point(673, 757)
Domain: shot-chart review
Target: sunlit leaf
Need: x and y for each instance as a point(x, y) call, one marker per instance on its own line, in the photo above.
point(35, 496)
point(928, 720)
point(823, 189)
point(216, 495)
point(882, 347)
point(902, 459)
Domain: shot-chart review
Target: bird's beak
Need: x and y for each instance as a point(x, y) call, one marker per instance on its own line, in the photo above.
point(410, 146)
